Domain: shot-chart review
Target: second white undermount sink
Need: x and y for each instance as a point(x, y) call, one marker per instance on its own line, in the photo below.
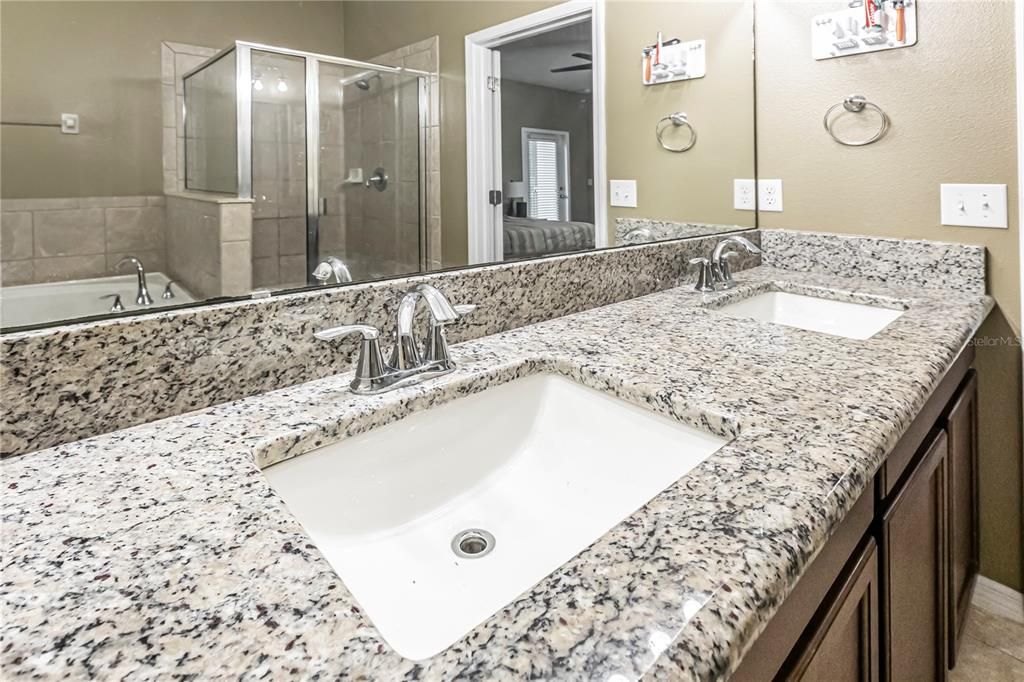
point(437, 521)
point(838, 318)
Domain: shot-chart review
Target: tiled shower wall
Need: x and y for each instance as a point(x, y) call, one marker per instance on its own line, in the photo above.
point(49, 240)
point(424, 56)
point(279, 173)
point(176, 59)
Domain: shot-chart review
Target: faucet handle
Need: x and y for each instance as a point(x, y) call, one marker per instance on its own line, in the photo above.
point(436, 351)
point(168, 290)
point(117, 306)
point(705, 279)
point(370, 367)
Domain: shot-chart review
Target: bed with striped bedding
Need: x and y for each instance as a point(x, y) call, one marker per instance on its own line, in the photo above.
point(529, 237)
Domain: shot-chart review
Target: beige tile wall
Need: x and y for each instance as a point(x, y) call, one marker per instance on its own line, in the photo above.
point(48, 240)
point(209, 244)
point(279, 174)
point(176, 59)
point(424, 56)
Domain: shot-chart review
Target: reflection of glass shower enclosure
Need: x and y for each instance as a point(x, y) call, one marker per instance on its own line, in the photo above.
point(331, 150)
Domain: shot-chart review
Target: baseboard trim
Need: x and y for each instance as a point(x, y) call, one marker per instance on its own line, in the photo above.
point(998, 599)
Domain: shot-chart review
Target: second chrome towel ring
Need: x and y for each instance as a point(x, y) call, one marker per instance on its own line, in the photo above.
point(855, 104)
point(678, 120)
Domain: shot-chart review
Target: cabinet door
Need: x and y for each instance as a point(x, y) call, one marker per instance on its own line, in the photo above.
point(841, 643)
point(962, 431)
point(913, 546)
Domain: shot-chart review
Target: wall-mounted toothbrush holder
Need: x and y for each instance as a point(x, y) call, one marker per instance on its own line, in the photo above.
point(673, 61)
point(865, 26)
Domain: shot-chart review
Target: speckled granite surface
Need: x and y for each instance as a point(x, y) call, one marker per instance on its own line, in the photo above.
point(646, 230)
point(67, 383)
point(909, 262)
point(160, 550)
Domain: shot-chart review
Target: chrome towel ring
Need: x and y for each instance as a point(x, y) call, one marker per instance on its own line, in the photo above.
point(856, 104)
point(678, 120)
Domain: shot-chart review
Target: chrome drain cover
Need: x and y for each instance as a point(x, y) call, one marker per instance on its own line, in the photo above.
point(472, 543)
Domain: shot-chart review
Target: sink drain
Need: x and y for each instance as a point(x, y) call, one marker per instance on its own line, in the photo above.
point(473, 543)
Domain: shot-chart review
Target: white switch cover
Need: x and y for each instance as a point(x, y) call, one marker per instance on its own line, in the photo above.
point(623, 193)
point(769, 195)
point(974, 205)
point(744, 195)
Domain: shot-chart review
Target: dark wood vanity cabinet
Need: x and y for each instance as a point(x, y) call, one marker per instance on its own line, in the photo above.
point(962, 431)
point(912, 536)
point(886, 599)
point(841, 644)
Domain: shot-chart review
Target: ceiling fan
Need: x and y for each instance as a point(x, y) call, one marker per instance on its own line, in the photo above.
point(577, 67)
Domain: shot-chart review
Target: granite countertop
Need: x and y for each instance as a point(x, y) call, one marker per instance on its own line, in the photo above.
point(161, 549)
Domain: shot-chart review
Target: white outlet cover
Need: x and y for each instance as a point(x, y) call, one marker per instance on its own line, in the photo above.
point(623, 193)
point(769, 195)
point(969, 205)
point(744, 195)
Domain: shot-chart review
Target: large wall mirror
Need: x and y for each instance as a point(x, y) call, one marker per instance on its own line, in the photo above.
point(161, 154)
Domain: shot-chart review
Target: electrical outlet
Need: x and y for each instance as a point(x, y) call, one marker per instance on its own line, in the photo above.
point(769, 195)
point(744, 195)
point(623, 193)
point(973, 205)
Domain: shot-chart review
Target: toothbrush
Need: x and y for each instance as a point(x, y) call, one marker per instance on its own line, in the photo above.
point(901, 21)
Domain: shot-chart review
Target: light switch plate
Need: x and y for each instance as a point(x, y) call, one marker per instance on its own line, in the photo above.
point(973, 205)
point(623, 193)
point(744, 195)
point(769, 195)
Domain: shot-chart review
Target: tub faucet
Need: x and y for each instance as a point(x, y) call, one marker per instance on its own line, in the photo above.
point(332, 267)
point(142, 296)
point(409, 364)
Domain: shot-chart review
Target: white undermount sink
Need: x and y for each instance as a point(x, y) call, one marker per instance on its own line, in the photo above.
point(544, 465)
point(839, 318)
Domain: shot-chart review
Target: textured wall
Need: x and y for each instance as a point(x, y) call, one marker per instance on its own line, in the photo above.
point(952, 103)
point(524, 105)
point(101, 60)
point(695, 186)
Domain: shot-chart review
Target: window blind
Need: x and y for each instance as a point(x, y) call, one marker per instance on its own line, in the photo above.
point(543, 159)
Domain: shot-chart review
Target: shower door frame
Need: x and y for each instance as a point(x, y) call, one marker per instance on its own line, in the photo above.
point(312, 60)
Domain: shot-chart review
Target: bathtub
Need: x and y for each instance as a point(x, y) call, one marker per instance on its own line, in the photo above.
point(29, 304)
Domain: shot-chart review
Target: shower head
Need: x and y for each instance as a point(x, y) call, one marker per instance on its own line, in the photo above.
point(364, 83)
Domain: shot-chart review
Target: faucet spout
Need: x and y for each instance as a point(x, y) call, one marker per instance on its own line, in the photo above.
point(142, 296)
point(735, 240)
point(406, 354)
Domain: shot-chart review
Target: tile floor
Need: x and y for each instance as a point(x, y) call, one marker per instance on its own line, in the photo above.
point(992, 650)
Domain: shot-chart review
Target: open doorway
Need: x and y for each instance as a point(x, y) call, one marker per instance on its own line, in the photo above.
point(534, 91)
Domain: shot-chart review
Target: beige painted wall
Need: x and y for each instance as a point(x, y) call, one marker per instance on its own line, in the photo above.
point(697, 185)
point(721, 104)
point(101, 60)
point(524, 105)
point(953, 108)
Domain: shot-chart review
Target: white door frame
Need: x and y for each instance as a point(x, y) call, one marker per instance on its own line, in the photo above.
point(483, 122)
point(563, 137)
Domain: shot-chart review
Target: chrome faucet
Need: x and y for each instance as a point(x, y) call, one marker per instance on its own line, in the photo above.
point(715, 274)
point(409, 362)
point(332, 267)
point(142, 296)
